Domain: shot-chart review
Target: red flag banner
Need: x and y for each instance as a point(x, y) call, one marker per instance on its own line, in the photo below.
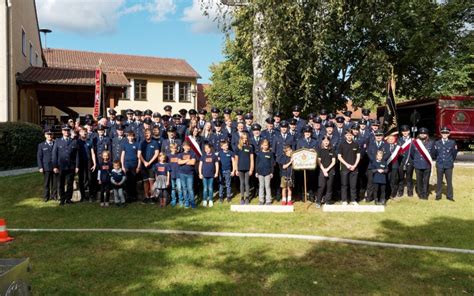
point(98, 92)
point(390, 123)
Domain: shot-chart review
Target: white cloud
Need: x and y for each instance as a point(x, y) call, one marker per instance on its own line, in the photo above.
point(96, 16)
point(79, 16)
point(201, 23)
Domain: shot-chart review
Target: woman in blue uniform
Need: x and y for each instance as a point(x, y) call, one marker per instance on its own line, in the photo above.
point(131, 165)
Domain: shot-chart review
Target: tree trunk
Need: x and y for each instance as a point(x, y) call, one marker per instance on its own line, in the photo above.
point(261, 105)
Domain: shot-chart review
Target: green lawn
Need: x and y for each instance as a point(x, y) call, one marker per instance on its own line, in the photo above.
point(114, 263)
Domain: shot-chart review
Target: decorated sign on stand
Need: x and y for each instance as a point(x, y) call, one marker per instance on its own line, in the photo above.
point(304, 159)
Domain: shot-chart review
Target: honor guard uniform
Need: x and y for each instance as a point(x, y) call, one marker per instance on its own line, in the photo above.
point(300, 123)
point(405, 170)
point(44, 158)
point(66, 162)
point(421, 163)
point(269, 132)
point(445, 152)
point(256, 137)
point(364, 132)
point(119, 120)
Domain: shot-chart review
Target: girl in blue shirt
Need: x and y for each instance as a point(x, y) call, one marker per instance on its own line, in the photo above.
point(175, 180)
point(264, 172)
point(162, 179)
point(131, 165)
point(208, 170)
point(186, 161)
point(103, 178)
point(245, 165)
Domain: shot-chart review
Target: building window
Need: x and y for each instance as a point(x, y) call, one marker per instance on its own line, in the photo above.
point(23, 42)
point(168, 91)
point(126, 93)
point(31, 54)
point(140, 90)
point(184, 88)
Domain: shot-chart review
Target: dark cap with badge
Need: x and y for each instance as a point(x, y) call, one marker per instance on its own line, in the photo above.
point(329, 124)
point(239, 112)
point(48, 132)
point(129, 111)
point(277, 114)
point(256, 127)
point(365, 112)
point(375, 122)
point(340, 119)
point(331, 116)
point(270, 120)
point(284, 123)
point(192, 112)
point(148, 112)
point(323, 112)
point(296, 108)
point(347, 113)
point(215, 110)
point(171, 129)
point(445, 130)
point(355, 126)
point(167, 108)
point(203, 111)
point(405, 128)
point(248, 116)
point(378, 133)
point(318, 120)
point(138, 113)
point(292, 121)
point(156, 115)
point(112, 111)
point(307, 129)
point(148, 121)
point(227, 110)
point(183, 112)
point(119, 117)
point(65, 127)
point(423, 130)
point(176, 116)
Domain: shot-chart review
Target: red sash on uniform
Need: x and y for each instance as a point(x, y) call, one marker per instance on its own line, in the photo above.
point(406, 145)
point(394, 155)
point(194, 145)
point(422, 149)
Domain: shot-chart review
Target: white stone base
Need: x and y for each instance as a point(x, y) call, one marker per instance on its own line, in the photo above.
point(264, 209)
point(355, 209)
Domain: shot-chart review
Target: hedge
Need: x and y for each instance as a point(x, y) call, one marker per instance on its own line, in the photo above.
point(18, 144)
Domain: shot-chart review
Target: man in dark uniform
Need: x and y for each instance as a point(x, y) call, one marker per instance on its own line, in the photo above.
point(102, 143)
point(147, 114)
point(300, 123)
point(219, 136)
point(192, 114)
point(306, 141)
point(340, 129)
point(227, 116)
point(117, 142)
point(111, 118)
point(180, 128)
point(248, 122)
point(445, 152)
point(184, 120)
point(214, 117)
point(282, 139)
point(277, 115)
point(255, 137)
point(294, 132)
point(129, 123)
point(323, 114)
point(202, 118)
point(405, 170)
point(318, 130)
point(365, 116)
point(373, 146)
point(269, 132)
point(165, 147)
point(168, 111)
point(44, 158)
point(87, 166)
point(119, 120)
point(347, 119)
point(422, 162)
point(362, 140)
point(65, 163)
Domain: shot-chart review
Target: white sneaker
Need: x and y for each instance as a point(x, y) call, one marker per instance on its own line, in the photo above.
point(354, 203)
point(204, 203)
point(211, 203)
point(344, 203)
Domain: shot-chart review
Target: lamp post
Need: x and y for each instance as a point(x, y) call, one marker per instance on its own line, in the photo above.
point(45, 32)
point(193, 93)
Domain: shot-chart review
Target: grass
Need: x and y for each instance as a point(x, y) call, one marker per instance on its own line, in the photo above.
point(143, 264)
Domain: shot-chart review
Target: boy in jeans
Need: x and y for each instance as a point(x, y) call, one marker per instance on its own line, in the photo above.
point(227, 170)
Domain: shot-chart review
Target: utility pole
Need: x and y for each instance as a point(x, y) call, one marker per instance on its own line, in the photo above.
point(261, 106)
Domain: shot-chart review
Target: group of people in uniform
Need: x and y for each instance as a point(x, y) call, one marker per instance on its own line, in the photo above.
point(174, 155)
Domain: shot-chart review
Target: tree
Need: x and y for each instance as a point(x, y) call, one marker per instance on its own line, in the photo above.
point(320, 53)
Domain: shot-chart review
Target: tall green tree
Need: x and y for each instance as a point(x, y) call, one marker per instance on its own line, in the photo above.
point(319, 53)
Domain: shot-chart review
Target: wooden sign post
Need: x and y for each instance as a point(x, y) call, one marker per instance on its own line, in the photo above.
point(304, 159)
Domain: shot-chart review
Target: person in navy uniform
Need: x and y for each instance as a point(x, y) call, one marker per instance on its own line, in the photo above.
point(363, 131)
point(44, 158)
point(373, 146)
point(379, 178)
point(347, 119)
point(323, 114)
point(227, 116)
point(445, 152)
point(309, 143)
point(405, 170)
point(219, 136)
point(87, 166)
point(119, 120)
point(281, 139)
point(393, 167)
point(334, 139)
point(340, 129)
point(65, 163)
point(365, 116)
point(300, 123)
point(192, 114)
point(148, 155)
point(421, 165)
point(214, 116)
point(269, 132)
point(168, 111)
point(117, 142)
point(129, 123)
point(180, 128)
point(256, 137)
point(202, 118)
point(277, 115)
point(165, 146)
point(184, 120)
point(294, 132)
point(147, 114)
point(111, 118)
point(318, 130)
point(362, 141)
point(248, 122)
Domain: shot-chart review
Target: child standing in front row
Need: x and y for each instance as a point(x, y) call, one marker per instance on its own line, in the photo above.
point(245, 165)
point(228, 168)
point(187, 161)
point(208, 170)
point(265, 163)
point(117, 178)
point(175, 180)
point(162, 180)
point(379, 178)
point(103, 177)
point(286, 172)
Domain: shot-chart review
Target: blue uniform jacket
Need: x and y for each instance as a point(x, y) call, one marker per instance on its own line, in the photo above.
point(65, 154)
point(44, 156)
point(445, 154)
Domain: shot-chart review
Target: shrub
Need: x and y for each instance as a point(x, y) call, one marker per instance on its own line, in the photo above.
point(18, 144)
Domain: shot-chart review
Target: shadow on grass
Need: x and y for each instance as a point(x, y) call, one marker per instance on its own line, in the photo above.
point(144, 264)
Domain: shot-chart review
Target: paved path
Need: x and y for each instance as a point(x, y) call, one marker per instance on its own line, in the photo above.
point(18, 172)
point(256, 235)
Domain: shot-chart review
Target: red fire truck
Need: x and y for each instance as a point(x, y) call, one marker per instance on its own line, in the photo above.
point(455, 112)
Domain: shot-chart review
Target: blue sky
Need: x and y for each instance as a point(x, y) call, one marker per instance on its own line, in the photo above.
point(165, 28)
